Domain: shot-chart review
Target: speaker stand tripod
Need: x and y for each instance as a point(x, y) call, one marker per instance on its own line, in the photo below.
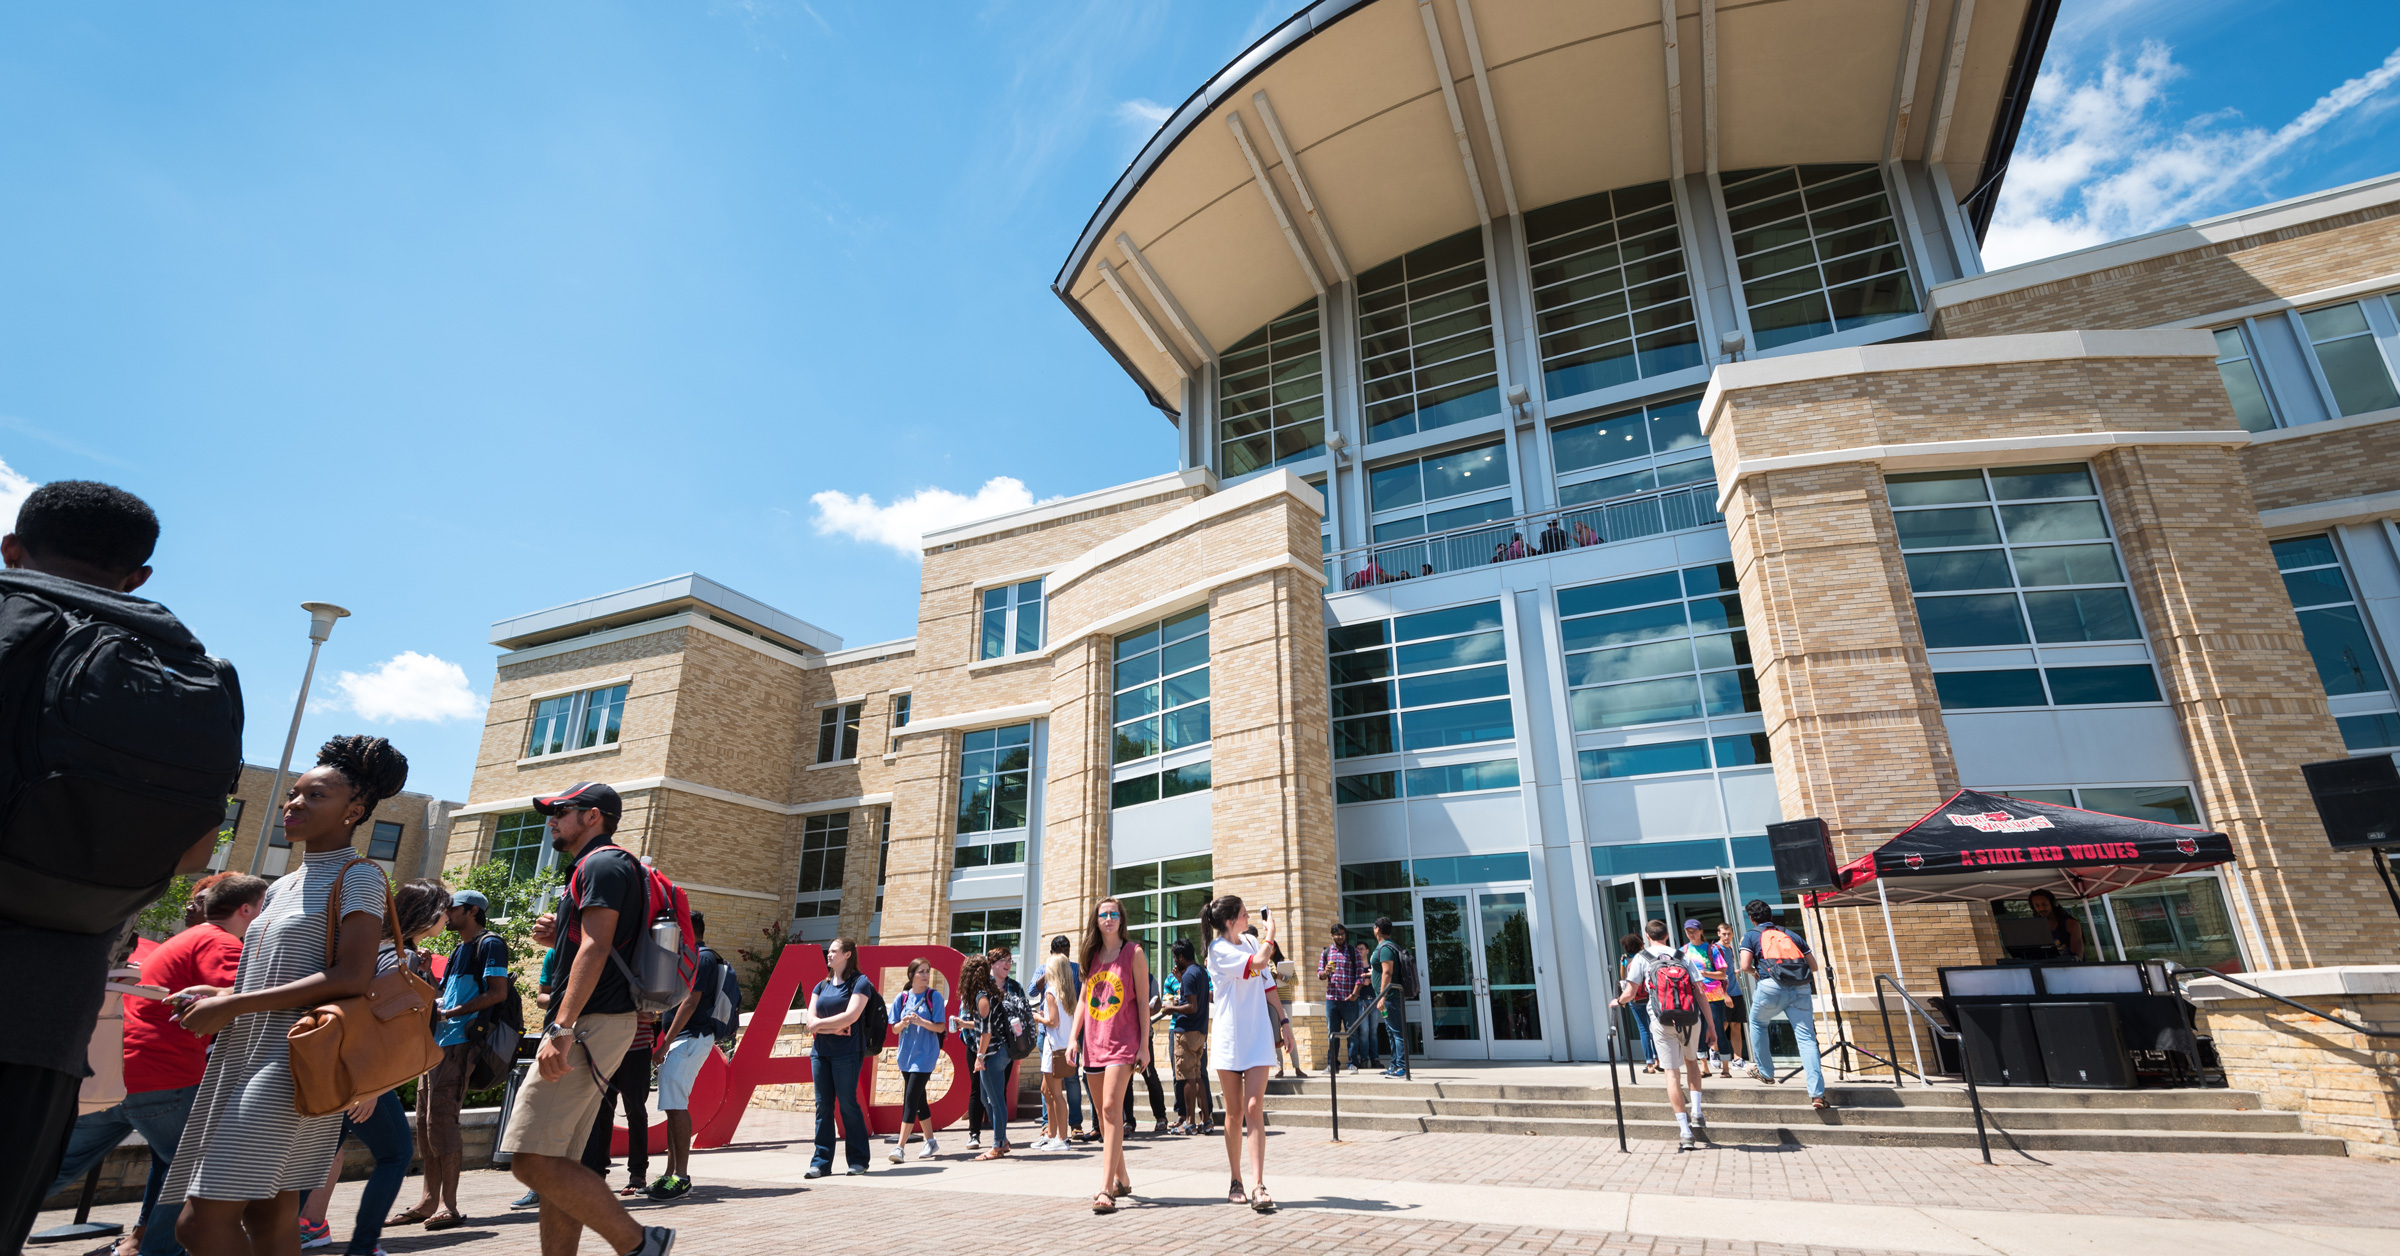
point(1841, 1023)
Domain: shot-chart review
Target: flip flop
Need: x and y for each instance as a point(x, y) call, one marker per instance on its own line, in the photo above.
point(416, 1215)
point(445, 1221)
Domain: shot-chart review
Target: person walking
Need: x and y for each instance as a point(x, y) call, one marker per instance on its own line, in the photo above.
point(1716, 971)
point(380, 1121)
point(1054, 1010)
point(692, 1037)
point(984, 1028)
point(1241, 1037)
point(1671, 985)
point(590, 1027)
point(918, 1015)
point(163, 1060)
point(1786, 983)
point(1339, 973)
point(238, 1172)
point(630, 1083)
point(836, 1056)
point(1631, 945)
point(1737, 1017)
point(1189, 1039)
point(81, 547)
point(476, 977)
point(1391, 1002)
point(1112, 1036)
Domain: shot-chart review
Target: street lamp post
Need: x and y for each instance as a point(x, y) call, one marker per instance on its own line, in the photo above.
point(320, 626)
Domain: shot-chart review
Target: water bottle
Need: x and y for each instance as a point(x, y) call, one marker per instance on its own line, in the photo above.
point(660, 967)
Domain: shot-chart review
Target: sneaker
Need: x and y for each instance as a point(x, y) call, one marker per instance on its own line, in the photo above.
point(670, 1186)
point(530, 1199)
point(974, 1142)
point(1700, 1129)
point(899, 1154)
point(816, 1171)
point(315, 1233)
point(854, 1170)
point(657, 1240)
point(1686, 1144)
point(932, 1148)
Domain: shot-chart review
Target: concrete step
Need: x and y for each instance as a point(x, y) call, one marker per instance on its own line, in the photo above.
point(1792, 1095)
point(1731, 1133)
point(1736, 1109)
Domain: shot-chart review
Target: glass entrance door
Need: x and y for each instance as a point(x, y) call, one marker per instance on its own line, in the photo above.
point(1481, 991)
point(1629, 903)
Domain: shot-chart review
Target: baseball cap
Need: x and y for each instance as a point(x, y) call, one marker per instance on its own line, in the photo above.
point(593, 794)
point(470, 898)
point(1691, 924)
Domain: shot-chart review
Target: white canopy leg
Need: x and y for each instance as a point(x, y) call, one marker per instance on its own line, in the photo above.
point(1892, 936)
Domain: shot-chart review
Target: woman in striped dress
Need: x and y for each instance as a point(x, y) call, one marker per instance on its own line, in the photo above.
point(247, 1153)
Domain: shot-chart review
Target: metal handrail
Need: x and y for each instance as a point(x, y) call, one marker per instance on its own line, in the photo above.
point(1583, 526)
point(2179, 975)
point(1966, 1065)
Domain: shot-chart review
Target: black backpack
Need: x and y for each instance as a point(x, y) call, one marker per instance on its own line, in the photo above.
point(1020, 1033)
point(1404, 972)
point(874, 1022)
point(123, 739)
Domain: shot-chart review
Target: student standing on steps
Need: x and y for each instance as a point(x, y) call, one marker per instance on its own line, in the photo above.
point(1786, 983)
point(1678, 1024)
point(1391, 1002)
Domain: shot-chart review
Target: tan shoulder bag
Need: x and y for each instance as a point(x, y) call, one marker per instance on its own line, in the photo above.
point(351, 1048)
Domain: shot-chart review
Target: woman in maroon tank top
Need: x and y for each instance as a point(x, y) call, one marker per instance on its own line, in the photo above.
point(1112, 1028)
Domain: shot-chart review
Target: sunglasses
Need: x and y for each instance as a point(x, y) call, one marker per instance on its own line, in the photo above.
point(1110, 915)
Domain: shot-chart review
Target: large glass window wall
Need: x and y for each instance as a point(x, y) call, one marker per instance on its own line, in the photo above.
point(1163, 900)
point(1160, 735)
point(1818, 249)
point(1425, 339)
point(1271, 394)
point(1633, 451)
point(1611, 298)
point(995, 790)
point(1652, 649)
point(1420, 682)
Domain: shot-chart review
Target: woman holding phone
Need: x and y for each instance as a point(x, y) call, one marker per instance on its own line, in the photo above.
point(1241, 1038)
point(1112, 1027)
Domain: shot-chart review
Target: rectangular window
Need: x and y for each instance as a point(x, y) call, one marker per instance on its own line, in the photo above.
point(883, 858)
point(2018, 558)
point(576, 721)
point(1650, 649)
point(1420, 682)
point(2357, 377)
point(2238, 367)
point(995, 788)
point(899, 720)
point(1271, 394)
point(518, 841)
point(1163, 900)
point(1425, 339)
point(384, 841)
point(1011, 620)
point(837, 732)
point(2333, 623)
point(1818, 250)
point(1462, 778)
point(1160, 710)
point(975, 932)
point(1377, 889)
point(1610, 295)
point(824, 848)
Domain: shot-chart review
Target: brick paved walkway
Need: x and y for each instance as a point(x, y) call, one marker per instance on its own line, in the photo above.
point(1387, 1193)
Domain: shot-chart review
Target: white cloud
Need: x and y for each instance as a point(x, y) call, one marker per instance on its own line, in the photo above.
point(2099, 159)
point(1147, 114)
point(903, 524)
point(408, 686)
point(14, 489)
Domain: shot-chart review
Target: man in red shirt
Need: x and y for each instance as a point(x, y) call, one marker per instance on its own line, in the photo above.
point(163, 1060)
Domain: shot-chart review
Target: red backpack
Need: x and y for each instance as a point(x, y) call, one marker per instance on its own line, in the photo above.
point(660, 976)
point(1674, 996)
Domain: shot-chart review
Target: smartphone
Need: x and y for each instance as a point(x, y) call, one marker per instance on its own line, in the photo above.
point(1265, 913)
point(139, 991)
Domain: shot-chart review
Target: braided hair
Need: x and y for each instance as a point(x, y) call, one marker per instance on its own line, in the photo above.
point(373, 768)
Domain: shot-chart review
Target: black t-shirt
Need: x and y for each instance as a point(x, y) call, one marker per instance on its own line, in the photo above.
point(707, 980)
point(605, 875)
point(1194, 991)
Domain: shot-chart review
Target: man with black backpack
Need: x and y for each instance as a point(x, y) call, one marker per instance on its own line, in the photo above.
point(1394, 979)
point(1786, 983)
point(1670, 982)
point(123, 740)
point(710, 1015)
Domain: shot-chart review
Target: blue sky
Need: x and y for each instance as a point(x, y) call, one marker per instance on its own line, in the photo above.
point(451, 313)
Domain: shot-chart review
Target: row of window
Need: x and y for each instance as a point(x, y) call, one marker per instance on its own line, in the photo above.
point(1817, 247)
point(1419, 682)
point(2333, 624)
point(1665, 646)
point(2286, 369)
point(1449, 778)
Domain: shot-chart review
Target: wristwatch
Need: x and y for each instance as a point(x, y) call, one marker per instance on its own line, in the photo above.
point(556, 1030)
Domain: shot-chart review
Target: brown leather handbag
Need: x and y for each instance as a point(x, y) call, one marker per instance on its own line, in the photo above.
point(351, 1048)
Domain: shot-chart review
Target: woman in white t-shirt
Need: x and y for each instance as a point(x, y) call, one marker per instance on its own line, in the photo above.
point(1057, 1019)
point(1241, 1037)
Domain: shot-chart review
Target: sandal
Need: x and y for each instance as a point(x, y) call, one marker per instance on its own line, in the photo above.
point(996, 1153)
point(1260, 1201)
point(1103, 1204)
point(416, 1215)
point(445, 1221)
point(1120, 1188)
point(1235, 1195)
point(1819, 1103)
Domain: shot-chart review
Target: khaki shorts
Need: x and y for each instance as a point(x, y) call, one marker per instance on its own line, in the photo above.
point(1675, 1046)
point(1191, 1057)
point(438, 1097)
point(554, 1118)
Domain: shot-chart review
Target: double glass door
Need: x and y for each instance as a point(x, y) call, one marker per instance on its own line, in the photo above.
point(1481, 987)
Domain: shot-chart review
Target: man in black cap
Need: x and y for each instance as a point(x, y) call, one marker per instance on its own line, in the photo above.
point(591, 1025)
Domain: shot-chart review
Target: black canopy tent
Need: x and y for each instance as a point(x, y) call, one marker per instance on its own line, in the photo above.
point(1981, 848)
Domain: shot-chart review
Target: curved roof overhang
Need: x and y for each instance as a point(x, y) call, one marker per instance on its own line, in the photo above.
point(1577, 95)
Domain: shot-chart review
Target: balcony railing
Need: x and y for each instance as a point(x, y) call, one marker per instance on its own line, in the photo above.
point(1526, 536)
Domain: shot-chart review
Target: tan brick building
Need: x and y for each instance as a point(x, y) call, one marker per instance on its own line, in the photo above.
point(1560, 506)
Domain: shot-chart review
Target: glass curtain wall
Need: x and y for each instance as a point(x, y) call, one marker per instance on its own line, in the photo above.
point(1818, 250)
point(1650, 649)
point(1163, 900)
point(1161, 709)
point(1425, 339)
point(1611, 298)
point(1271, 394)
point(1420, 682)
point(995, 785)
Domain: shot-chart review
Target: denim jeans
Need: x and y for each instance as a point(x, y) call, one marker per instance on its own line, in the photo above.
point(1641, 1025)
point(994, 1088)
point(1799, 1007)
point(159, 1115)
point(1395, 1027)
point(1340, 1015)
point(385, 1133)
point(836, 1080)
point(1074, 1098)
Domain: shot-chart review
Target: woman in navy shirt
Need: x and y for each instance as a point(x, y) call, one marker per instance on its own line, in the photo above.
point(918, 1015)
point(836, 1056)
